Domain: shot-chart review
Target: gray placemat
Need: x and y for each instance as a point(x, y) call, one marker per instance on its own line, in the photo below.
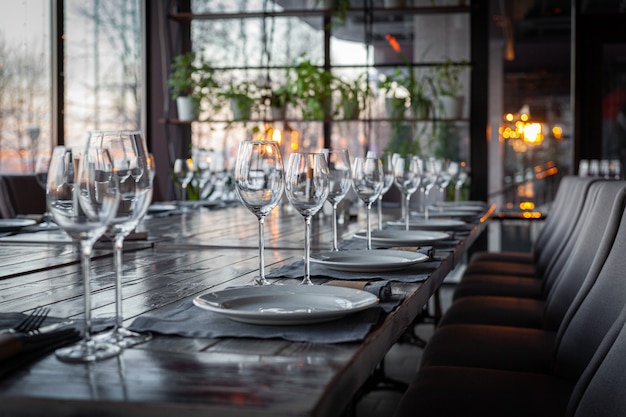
point(185, 319)
point(190, 321)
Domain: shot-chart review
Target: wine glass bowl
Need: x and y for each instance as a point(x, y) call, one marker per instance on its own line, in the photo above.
point(83, 202)
point(338, 161)
point(367, 181)
point(259, 183)
point(307, 188)
point(407, 177)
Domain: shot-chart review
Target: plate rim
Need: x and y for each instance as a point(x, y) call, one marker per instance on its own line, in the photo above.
point(426, 241)
point(246, 316)
point(372, 267)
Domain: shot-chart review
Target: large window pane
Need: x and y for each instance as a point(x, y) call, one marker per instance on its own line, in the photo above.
point(102, 66)
point(24, 83)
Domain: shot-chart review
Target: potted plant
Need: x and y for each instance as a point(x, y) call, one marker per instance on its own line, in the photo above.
point(191, 81)
point(242, 95)
point(354, 95)
point(312, 88)
point(449, 88)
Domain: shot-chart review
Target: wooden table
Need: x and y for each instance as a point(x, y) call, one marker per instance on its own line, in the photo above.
point(184, 256)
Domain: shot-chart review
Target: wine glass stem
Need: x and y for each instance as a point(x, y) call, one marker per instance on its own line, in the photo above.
point(426, 204)
point(307, 251)
point(85, 249)
point(407, 199)
point(118, 244)
point(335, 243)
point(380, 212)
point(261, 280)
point(369, 226)
point(457, 194)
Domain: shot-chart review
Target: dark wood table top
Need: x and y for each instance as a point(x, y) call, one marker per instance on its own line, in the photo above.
point(182, 257)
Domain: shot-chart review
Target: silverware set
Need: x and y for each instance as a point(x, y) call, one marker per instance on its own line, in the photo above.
point(30, 339)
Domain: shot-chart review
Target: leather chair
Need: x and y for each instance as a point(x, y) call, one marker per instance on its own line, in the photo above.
point(497, 370)
point(550, 258)
point(453, 391)
point(593, 310)
point(590, 245)
point(21, 195)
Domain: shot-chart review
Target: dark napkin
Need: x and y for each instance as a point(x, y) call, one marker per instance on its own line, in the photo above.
point(185, 319)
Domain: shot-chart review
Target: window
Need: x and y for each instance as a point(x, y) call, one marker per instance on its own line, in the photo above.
point(24, 84)
point(103, 73)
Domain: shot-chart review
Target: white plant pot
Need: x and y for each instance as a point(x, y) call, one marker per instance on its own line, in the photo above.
point(187, 109)
point(451, 107)
point(394, 3)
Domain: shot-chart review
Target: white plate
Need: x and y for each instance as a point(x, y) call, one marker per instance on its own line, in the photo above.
point(375, 260)
point(403, 237)
point(286, 304)
point(159, 208)
point(430, 224)
point(442, 214)
point(472, 203)
point(465, 209)
point(10, 225)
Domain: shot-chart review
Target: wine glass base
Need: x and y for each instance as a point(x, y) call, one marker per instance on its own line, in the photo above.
point(307, 281)
point(88, 351)
point(124, 338)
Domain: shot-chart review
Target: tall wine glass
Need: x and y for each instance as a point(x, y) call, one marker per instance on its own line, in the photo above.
point(203, 172)
point(430, 176)
point(386, 160)
point(367, 181)
point(183, 172)
point(307, 187)
point(83, 202)
point(259, 184)
point(42, 164)
point(339, 182)
point(461, 179)
point(130, 159)
point(407, 177)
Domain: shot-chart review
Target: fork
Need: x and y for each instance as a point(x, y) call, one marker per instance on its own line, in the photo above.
point(30, 322)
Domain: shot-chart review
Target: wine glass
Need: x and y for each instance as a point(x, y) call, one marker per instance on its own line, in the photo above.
point(131, 160)
point(386, 160)
point(83, 202)
point(307, 187)
point(183, 172)
point(407, 177)
point(430, 176)
point(461, 179)
point(259, 184)
point(203, 172)
point(367, 181)
point(338, 161)
point(42, 163)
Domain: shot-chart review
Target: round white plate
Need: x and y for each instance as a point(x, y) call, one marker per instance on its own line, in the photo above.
point(10, 225)
point(464, 209)
point(286, 304)
point(472, 203)
point(159, 208)
point(443, 214)
point(430, 224)
point(403, 237)
point(375, 260)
